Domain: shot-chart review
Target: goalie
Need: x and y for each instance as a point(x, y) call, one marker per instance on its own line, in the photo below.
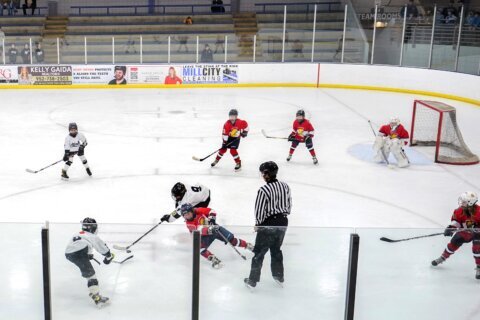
point(392, 137)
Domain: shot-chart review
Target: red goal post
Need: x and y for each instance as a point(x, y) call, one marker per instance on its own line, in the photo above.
point(435, 124)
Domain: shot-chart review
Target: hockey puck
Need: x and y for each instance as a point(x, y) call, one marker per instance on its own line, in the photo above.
point(128, 251)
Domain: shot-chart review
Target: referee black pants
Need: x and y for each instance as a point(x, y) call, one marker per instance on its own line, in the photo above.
point(268, 238)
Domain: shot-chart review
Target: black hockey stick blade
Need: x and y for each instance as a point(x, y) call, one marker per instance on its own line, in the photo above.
point(126, 259)
point(387, 239)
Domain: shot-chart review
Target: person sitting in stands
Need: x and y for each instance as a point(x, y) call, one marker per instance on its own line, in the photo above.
point(29, 4)
point(188, 20)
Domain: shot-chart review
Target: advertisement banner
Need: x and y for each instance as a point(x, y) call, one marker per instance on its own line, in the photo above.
point(8, 74)
point(94, 74)
point(210, 73)
point(154, 74)
point(45, 75)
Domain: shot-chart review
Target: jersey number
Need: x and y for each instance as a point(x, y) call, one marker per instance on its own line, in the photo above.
point(196, 189)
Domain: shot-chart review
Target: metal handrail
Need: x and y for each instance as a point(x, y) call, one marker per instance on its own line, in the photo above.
point(310, 5)
point(164, 7)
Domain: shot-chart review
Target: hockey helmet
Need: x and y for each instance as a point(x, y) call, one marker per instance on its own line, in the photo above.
point(300, 113)
point(72, 125)
point(89, 225)
point(233, 113)
point(467, 199)
point(178, 191)
point(270, 169)
point(186, 208)
point(394, 121)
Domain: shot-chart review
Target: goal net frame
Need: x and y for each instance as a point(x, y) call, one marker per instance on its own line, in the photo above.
point(444, 110)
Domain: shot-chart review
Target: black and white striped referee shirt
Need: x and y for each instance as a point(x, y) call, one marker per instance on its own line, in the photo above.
point(274, 198)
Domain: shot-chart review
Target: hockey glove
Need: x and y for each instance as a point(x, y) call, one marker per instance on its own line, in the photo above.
point(81, 149)
point(211, 221)
point(244, 134)
point(66, 155)
point(166, 218)
point(90, 257)
point(213, 229)
point(291, 137)
point(449, 231)
point(108, 258)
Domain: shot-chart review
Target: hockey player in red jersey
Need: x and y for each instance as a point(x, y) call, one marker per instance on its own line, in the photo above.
point(205, 220)
point(233, 130)
point(391, 138)
point(303, 131)
point(465, 228)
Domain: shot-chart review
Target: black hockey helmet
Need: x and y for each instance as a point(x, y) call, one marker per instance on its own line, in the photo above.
point(300, 113)
point(72, 125)
point(186, 208)
point(178, 191)
point(89, 225)
point(270, 169)
point(233, 112)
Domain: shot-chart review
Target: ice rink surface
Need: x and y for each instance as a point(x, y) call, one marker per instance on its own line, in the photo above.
point(141, 142)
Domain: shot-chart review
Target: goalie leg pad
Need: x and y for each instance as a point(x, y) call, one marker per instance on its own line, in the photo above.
point(399, 154)
point(380, 146)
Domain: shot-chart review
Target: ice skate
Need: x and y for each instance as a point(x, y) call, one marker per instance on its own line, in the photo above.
point(289, 157)
point(216, 263)
point(89, 172)
point(238, 166)
point(438, 261)
point(64, 175)
point(214, 163)
point(279, 281)
point(250, 284)
point(98, 299)
point(477, 274)
point(315, 161)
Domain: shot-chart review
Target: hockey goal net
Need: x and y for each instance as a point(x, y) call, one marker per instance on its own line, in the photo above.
point(435, 124)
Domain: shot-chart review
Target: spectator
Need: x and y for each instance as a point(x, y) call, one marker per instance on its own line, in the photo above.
point(217, 6)
point(412, 11)
point(297, 47)
point(207, 54)
point(12, 54)
point(451, 8)
point(39, 54)
point(476, 20)
point(188, 20)
point(29, 4)
point(2, 42)
point(12, 7)
point(182, 42)
point(440, 17)
point(130, 45)
point(26, 54)
point(450, 18)
point(220, 43)
point(469, 20)
point(3, 5)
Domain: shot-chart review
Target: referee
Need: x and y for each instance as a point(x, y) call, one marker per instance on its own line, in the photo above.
point(272, 206)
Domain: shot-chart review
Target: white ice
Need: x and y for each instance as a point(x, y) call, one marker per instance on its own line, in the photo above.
point(142, 141)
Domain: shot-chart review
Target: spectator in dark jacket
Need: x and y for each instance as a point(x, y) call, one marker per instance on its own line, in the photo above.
point(29, 4)
point(12, 54)
point(412, 11)
point(207, 54)
point(26, 54)
point(39, 55)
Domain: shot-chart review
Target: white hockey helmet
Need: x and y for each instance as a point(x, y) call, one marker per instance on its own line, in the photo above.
point(467, 199)
point(394, 121)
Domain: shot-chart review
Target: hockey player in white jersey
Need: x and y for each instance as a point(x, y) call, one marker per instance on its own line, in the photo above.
point(75, 144)
point(197, 195)
point(79, 251)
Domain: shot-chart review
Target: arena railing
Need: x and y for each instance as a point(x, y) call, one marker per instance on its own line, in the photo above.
point(147, 9)
point(316, 36)
point(329, 273)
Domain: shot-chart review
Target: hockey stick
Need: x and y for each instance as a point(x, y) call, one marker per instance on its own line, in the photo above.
point(122, 261)
point(128, 247)
point(211, 154)
point(419, 237)
point(236, 250)
point(271, 137)
point(96, 261)
point(381, 150)
point(36, 171)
